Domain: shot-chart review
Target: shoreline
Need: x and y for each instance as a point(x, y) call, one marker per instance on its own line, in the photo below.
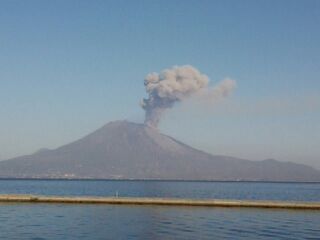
point(154, 180)
point(159, 201)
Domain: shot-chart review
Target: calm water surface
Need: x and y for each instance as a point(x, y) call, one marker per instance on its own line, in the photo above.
point(41, 221)
point(178, 189)
point(60, 221)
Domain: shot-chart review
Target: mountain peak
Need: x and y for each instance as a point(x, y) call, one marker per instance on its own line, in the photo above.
point(127, 150)
point(124, 124)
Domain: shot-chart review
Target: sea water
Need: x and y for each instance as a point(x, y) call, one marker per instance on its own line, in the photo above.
point(61, 221)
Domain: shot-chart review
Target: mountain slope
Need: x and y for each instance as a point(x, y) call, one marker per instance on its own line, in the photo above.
point(127, 150)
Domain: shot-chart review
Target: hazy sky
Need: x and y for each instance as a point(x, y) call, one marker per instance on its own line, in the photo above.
point(69, 67)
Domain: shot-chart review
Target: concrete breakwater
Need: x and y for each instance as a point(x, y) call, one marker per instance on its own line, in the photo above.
point(159, 201)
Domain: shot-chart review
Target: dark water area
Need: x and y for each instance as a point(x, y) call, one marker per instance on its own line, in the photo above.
point(76, 221)
point(170, 189)
point(48, 221)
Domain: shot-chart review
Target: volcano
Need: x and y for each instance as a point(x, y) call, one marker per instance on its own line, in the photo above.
point(126, 150)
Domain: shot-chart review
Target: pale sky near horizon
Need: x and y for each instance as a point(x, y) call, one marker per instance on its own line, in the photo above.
point(69, 67)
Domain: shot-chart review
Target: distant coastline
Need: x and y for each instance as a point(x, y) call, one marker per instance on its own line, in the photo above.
point(155, 180)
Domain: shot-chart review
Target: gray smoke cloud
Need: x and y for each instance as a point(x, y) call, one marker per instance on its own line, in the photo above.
point(175, 85)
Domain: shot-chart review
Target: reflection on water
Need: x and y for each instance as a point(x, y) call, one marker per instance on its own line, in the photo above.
point(43, 221)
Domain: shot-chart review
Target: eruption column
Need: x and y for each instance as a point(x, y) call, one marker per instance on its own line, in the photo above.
point(177, 84)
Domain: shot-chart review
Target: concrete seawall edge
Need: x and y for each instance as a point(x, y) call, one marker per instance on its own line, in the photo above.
point(159, 201)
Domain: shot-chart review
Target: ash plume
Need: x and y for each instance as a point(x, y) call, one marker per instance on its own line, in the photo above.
point(175, 85)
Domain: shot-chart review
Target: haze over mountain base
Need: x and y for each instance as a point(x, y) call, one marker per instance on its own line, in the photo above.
point(125, 150)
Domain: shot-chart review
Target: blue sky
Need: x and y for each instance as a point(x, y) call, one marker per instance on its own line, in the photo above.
point(69, 67)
